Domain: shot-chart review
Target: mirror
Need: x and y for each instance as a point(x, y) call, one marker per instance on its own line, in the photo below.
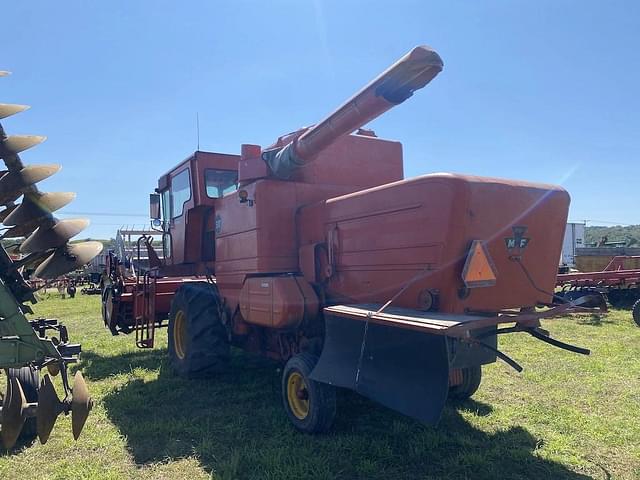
point(154, 206)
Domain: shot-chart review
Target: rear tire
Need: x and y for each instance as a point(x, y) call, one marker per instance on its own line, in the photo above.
point(310, 405)
point(636, 312)
point(198, 341)
point(471, 379)
point(30, 382)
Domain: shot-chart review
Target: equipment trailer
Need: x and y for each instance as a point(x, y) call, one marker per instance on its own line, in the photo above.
point(29, 407)
point(317, 252)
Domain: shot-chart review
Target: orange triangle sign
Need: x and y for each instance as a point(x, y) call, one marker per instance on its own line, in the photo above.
point(479, 270)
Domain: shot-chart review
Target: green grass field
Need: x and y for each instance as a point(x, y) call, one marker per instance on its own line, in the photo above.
point(566, 416)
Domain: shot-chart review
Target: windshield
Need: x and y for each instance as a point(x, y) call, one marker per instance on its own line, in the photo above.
point(220, 182)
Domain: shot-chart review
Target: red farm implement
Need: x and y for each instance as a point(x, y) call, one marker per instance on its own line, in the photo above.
point(617, 284)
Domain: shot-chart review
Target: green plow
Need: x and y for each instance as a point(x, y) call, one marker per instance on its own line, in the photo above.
point(37, 246)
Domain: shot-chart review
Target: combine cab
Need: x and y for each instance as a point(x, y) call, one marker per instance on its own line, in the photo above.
point(316, 251)
point(30, 406)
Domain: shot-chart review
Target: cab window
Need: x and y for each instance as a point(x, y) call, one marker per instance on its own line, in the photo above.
point(180, 193)
point(220, 182)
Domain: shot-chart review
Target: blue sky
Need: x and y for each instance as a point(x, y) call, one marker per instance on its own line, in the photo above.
point(541, 90)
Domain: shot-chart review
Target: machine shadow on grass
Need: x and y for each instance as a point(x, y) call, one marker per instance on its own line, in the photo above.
point(594, 320)
point(235, 425)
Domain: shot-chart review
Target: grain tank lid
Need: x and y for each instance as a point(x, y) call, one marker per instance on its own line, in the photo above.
point(486, 180)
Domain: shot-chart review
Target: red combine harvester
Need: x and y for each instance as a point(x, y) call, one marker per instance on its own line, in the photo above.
point(316, 251)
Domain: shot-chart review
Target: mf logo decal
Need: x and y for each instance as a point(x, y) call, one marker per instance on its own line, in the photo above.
point(518, 241)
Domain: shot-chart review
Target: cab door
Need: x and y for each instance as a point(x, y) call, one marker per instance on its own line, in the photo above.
point(179, 195)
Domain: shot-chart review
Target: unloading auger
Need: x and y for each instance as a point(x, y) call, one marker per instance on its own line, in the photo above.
point(30, 407)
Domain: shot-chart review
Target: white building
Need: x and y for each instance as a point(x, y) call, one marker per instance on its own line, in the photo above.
point(573, 238)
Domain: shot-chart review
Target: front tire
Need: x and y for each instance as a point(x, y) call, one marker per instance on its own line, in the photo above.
point(198, 342)
point(310, 405)
point(471, 379)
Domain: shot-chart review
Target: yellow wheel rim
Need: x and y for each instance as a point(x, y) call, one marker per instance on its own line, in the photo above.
point(298, 395)
point(180, 334)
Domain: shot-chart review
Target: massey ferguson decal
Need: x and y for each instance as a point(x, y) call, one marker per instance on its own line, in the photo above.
point(518, 242)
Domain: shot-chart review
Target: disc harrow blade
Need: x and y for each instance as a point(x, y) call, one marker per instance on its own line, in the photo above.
point(38, 205)
point(81, 404)
point(18, 143)
point(8, 109)
point(49, 407)
point(13, 249)
point(28, 175)
point(55, 236)
point(7, 211)
point(12, 413)
point(20, 230)
point(8, 196)
point(67, 258)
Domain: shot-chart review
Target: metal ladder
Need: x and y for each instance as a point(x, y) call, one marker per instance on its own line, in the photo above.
point(144, 297)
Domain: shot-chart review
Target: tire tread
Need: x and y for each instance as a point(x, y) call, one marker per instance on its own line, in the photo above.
point(323, 405)
point(207, 350)
point(471, 379)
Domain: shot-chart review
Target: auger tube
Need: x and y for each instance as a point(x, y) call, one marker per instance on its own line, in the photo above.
point(392, 87)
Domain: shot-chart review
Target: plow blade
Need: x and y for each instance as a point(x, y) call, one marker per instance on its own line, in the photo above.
point(12, 413)
point(13, 182)
point(55, 236)
point(49, 407)
point(7, 211)
point(8, 109)
point(67, 258)
point(29, 175)
point(81, 405)
point(20, 230)
point(405, 370)
point(37, 206)
point(19, 143)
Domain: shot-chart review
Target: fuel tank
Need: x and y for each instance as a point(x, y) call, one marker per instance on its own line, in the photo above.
point(280, 302)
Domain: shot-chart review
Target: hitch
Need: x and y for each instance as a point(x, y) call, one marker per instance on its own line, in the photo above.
point(536, 332)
